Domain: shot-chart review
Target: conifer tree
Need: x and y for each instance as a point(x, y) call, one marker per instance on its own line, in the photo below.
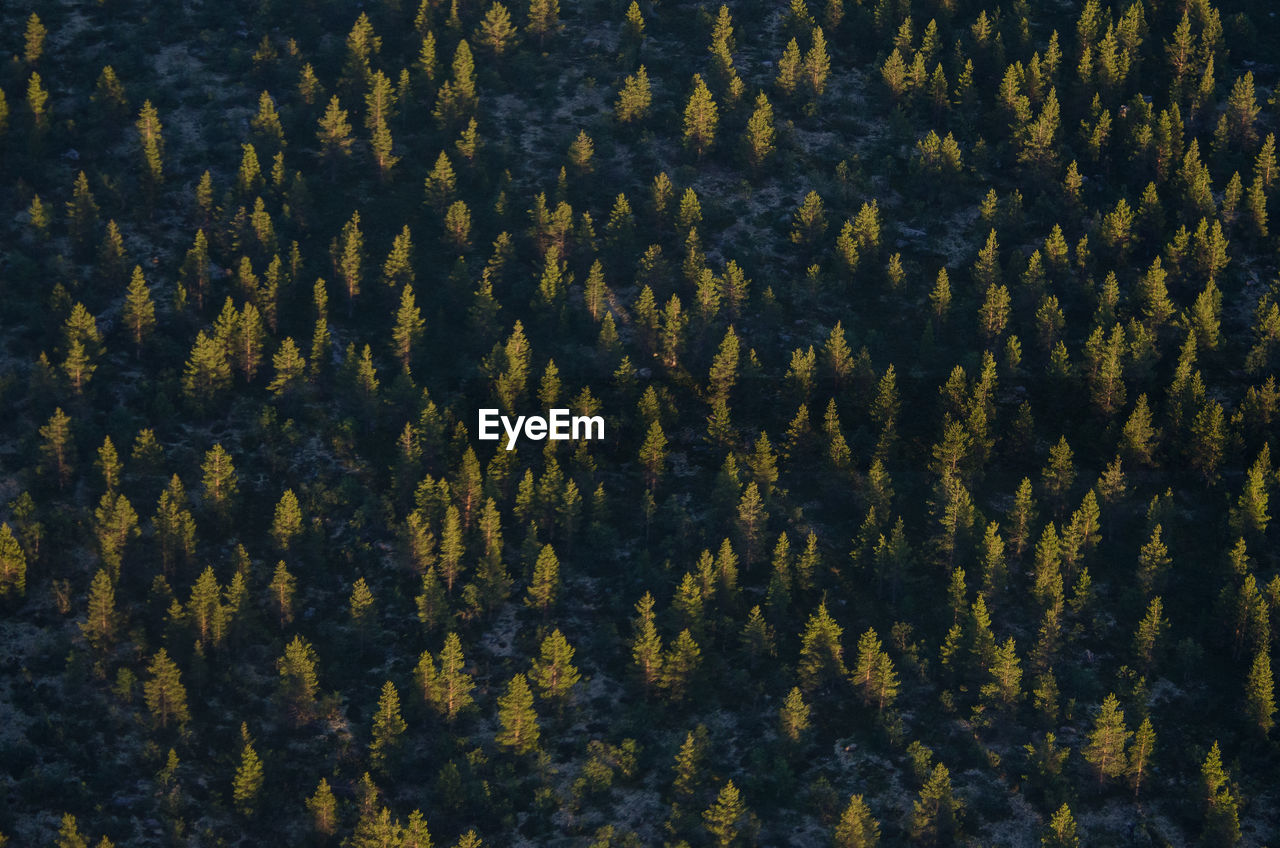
point(1106, 748)
point(388, 727)
point(449, 690)
point(117, 523)
point(334, 134)
point(82, 211)
point(789, 69)
point(793, 717)
point(247, 785)
point(1140, 753)
point(282, 588)
point(817, 65)
point(544, 19)
point(37, 103)
point(299, 684)
point(646, 646)
point(175, 528)
point(545, 586)
point(857, 828)
point(33, 40)
point(287, 524)
point(139, 309)
point(101, 619)
point(441, 183)
point(1222, 815)
point(653, 454)
point(409, 326)
point(821, 654)
point(519, 721)
point(221, 483)
point(289, 367)
point(1260, 701)
point(207, 373)
point(165, 695)
point(635, 97)
point(724, 818)
point(1061, 832)
point(701, 118)
point(69, 835)
point(553, 672)
point(324, 809)
point(361, 604)
point(934, 816)
point(496, 32)
point(56, 446)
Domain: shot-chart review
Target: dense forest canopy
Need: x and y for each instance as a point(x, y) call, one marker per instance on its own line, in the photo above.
point(936, 344)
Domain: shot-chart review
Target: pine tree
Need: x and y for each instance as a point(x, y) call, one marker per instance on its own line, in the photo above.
point(635, 98)
point(348, 257)
point(1148, 635)
point(221, 483)
point(1222, 815)
point(553, 672)
point(247, 785)
point(808, 222)
point(646, 650)
point(299, 684)
point(1260, 701)
point(334, 134)
point(361, 604)
point(37, 102)
point(117, 523)
point(175, 528)
point(324, 809)
point(78, 366)
point(33, 40)
point(793, 717)
point(282, 588)
point(381, 144)
point(857, 828)
point(1061, 832)
point(388, 727)
point(165, 695)
point(450, 690)
point(207, 373)
point(544, 19)
point(409, 326)
point(1006, 676)
point(701, 118)
point(441, 182)
point(1251, 515)
point(1106, 748)
point(289, 367)
point(69, 835)
point(99, 626)
point(789, 69)
point(82, 211)
point(1140, 753)
point(653, 454)
point(287, 523)
point(13, 565)
point(56, 446)
point(139, 309)
point(821, 654)
point(545, 586)
point(723, 819)
point(817, 65)
point(496, 32)
point(934, 817)
point(520, 732)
